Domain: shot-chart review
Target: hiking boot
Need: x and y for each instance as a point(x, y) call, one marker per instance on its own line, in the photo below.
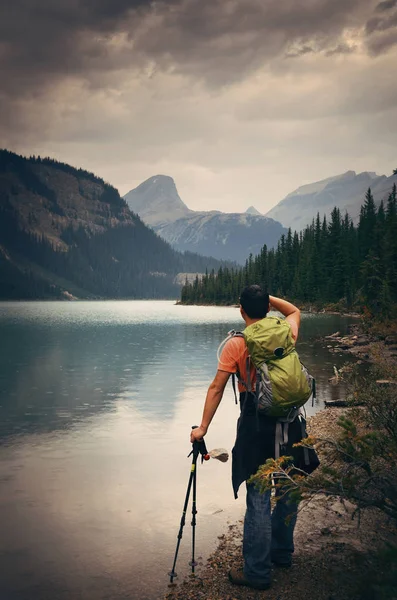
point(284, 562)
point(237, 577)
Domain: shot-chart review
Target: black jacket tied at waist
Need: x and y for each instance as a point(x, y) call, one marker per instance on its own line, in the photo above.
point(255, 441)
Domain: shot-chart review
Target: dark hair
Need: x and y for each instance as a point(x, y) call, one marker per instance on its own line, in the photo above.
point(254, 301)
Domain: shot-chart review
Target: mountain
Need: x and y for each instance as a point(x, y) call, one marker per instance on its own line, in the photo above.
point(252, 211)
point(65, 232)
point(226, 236)
point(157, 198)
point(346, 191)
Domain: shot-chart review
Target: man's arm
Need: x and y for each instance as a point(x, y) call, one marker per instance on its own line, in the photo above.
point(291, 313)
point(212, 401)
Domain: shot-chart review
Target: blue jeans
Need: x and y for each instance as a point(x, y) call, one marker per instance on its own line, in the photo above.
point(267, 536)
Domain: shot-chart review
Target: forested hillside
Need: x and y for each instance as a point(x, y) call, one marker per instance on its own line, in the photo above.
point(64, 231)
point(328, 262)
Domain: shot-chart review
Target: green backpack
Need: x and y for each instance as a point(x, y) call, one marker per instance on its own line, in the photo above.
point(283, 384)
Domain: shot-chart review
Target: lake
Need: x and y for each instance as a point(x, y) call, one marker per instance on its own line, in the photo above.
point(96, 403)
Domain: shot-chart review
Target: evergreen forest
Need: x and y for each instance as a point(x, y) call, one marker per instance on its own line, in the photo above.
point(331, 262)
point(129, 261)
point(68, 231)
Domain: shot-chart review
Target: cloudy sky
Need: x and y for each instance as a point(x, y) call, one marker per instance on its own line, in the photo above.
point(240, 101)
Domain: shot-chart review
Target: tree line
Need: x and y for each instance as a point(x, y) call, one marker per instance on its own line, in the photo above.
point(128, 261)
point(330, 261)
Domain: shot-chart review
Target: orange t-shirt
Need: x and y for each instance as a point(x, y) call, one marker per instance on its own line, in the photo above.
point(233, 359)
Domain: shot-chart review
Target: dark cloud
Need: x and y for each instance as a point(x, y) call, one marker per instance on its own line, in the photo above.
point(377, 24)
point(222, 41)
point(381, 31)
point(386, 5)
point(47, 39)
point(216, 40)
point(383, 42)
point(47, 44)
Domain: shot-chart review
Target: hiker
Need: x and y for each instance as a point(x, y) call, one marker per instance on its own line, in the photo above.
point(267, 537)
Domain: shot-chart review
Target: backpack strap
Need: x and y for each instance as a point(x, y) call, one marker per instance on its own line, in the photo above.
point(281, 436)
point(282, 430)
point(231, 334)
point(313, 386)
point(304, 435)
point(248, 371)
point(234, 386)
point(241, 381)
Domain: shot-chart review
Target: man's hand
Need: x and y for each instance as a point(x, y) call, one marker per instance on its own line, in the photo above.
point(197, 434)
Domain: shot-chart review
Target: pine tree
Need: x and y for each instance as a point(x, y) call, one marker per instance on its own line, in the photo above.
point(326, 262)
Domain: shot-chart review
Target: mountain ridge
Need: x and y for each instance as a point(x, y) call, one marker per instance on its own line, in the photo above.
point(226, 236)
point(345, 191)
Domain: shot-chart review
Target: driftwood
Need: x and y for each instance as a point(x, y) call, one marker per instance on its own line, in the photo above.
point(329, 403)
point(341, 403)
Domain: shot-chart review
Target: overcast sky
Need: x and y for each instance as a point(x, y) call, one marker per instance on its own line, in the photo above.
point(240, 101)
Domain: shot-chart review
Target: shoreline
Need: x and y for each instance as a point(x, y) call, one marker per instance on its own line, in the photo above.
point(331, 551)
point(333, 556)
point(371, 347)
point(306, 309)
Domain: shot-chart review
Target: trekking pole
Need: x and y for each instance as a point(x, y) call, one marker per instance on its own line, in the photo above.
point(198, 447)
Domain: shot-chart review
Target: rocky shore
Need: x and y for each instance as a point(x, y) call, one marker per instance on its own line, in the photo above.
point(363, 346)
point(333, 557)
point(331, 550)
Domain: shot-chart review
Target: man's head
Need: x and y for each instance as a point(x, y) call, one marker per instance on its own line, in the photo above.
point(254, 302)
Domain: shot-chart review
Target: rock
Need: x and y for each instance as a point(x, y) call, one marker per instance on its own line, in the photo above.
point(390, 340)
point(332, 336)
point(363, 340)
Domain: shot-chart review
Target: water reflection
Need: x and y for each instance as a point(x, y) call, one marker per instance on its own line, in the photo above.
point(54, 372)
point(96, 403)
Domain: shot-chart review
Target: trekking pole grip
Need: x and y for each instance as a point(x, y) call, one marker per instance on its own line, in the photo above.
point(201, 447)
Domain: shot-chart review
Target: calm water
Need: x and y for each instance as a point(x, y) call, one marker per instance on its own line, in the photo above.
point(96, 403)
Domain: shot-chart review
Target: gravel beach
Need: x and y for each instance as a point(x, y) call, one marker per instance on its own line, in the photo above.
point(331, 550)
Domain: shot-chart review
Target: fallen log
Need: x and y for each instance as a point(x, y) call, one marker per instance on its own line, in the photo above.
point(329, 403)
point(340, 403)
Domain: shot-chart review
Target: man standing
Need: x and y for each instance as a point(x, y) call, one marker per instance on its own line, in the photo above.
point(267, 537)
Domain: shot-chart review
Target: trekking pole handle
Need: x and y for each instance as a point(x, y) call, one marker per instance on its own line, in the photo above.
point(202, 448)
